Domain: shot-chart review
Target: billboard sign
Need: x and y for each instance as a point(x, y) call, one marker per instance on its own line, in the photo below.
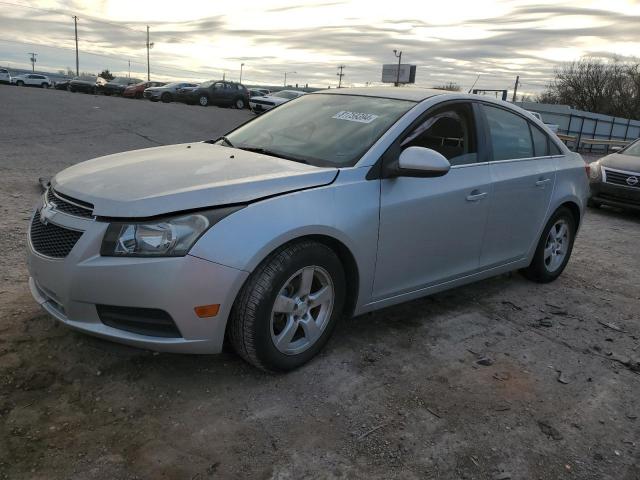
point(390, 73)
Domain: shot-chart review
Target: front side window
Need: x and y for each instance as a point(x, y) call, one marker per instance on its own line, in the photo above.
point(450, 132)
point(321, 129)
point(509, 133)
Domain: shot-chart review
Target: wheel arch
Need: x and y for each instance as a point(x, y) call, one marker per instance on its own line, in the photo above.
point(574, 209)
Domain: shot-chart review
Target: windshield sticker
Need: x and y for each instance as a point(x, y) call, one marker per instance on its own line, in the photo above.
point(356, 117)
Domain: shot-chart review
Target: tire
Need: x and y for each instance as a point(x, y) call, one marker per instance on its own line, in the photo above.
point(203, 100)
point(254, 328)
point(138, 95)
point(166, 97)
point(239, 103)
point(546, 267)
point(20, 83)
point(44, 85)
point(593, 204)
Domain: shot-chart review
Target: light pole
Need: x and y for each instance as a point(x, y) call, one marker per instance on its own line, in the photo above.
point(399, 57)
point(285, 77)
point(241, 65)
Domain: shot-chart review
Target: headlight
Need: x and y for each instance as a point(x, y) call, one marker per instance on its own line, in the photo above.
point(167, 237)
point(594, 171)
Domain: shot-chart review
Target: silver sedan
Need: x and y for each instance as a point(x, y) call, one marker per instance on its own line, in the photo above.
point(337, 203)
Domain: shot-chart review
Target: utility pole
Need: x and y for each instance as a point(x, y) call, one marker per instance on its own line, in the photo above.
point(33, 61)
point(515, 89)
point(75, 25)
point(149, 45)
point(340, 75)
point(285, 77)
point(399, 57)
point(129, 68)
point(241, 65)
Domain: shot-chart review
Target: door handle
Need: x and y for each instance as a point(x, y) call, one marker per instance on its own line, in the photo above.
point(475, 196)
point(542, 182)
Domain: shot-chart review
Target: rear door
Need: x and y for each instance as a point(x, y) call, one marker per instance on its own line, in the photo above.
point(431, 229)
point(523, 177)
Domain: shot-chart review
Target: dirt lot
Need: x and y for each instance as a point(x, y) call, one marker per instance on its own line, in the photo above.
point(396, 394)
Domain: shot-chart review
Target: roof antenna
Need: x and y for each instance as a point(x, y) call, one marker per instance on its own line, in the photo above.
point(474, 83)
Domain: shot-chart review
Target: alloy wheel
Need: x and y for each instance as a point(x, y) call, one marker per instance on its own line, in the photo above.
point(557, 245)
point(302, 310)
point(204, 101)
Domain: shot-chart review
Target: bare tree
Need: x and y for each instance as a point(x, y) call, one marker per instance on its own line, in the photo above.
point(612, 87)
point(449, 86)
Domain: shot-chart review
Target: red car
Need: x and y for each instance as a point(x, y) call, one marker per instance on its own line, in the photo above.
point(135, 91)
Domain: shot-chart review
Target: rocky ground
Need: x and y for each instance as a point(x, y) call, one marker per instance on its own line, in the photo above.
point(503, 379)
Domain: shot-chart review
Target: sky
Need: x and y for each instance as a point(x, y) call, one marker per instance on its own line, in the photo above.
point(205, 39)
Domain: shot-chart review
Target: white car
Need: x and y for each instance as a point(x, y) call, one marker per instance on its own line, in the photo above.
point(267, 102)
point(552, 127)
point(5, 76)
point(31, 79)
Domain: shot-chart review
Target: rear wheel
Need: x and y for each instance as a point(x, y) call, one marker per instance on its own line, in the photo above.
point(554, 248)
point(166, 97)
point(44, 85)
point(289, 306)
point(20, 83)
point(203, 101)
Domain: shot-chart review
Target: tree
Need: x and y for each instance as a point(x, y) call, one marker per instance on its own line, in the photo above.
point(449, 86)
point(106, 74)
point(612, 87)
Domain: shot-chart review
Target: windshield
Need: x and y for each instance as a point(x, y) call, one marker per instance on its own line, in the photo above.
point(208, 83)
point(321, 129)
point(286, 94)
point(633, 149)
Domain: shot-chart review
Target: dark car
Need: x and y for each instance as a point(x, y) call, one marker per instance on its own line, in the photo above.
point(615, 179)
point(137, 90)
point(86, 84)
point(62, 84)
point(183, 93)
point(116, 85)
point(221, 93)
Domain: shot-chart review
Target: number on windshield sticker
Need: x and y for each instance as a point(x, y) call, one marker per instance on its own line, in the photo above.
point(355, 116)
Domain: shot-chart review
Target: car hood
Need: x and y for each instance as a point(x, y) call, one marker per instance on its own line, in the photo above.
point(155, 181)
point(621, 161)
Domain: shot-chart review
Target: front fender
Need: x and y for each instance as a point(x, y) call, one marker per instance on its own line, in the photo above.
point(346, 211)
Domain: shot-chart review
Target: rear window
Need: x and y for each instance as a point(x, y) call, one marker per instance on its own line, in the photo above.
point(510, 135)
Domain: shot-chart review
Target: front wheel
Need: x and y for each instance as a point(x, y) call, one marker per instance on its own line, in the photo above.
point(45, 85)
point(166, 97)
point(289, 306)
point(203, 100)
point(20, 83)
point(554, 248)
point(239, 103)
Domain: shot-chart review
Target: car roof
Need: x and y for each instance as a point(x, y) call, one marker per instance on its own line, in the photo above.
point(415, 94)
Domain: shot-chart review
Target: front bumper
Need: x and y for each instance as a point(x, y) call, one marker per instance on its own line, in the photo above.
point(616, 195)
point(259, 107)
point(70, 288)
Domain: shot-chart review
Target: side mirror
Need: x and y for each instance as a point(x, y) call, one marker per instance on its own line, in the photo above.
point(616, 148)
point(421, 162)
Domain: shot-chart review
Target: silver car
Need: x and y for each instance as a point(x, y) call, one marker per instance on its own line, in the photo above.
point(337, 203)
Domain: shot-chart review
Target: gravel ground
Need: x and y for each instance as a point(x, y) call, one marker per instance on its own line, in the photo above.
point(502, 379)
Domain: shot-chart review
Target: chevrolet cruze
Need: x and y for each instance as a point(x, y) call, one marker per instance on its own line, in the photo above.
point(337, 203)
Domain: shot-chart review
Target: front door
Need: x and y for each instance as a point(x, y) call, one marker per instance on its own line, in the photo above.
point(523, 177)
point(431, 229)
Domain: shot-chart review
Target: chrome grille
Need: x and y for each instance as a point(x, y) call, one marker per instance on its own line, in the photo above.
point(51, 240)
point(617, 177)
point(68, 205)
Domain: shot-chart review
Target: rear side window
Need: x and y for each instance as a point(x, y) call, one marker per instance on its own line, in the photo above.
point(509, 133)
point(554, 149)
point(540, 142)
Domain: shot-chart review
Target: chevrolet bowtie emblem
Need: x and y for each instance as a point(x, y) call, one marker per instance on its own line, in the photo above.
point(46, 213)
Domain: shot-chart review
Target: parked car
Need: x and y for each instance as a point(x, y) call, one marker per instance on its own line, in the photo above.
point(62, 84)
point(221, 93)
point(267, 102)
point(5, 76)
point(553, 127)
point(183, 93)
point(137, 90)
point(342, 202)
point(166, 93)
point(117, 85)
point(86, 84)
point(615, 179)
point(31, 80)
